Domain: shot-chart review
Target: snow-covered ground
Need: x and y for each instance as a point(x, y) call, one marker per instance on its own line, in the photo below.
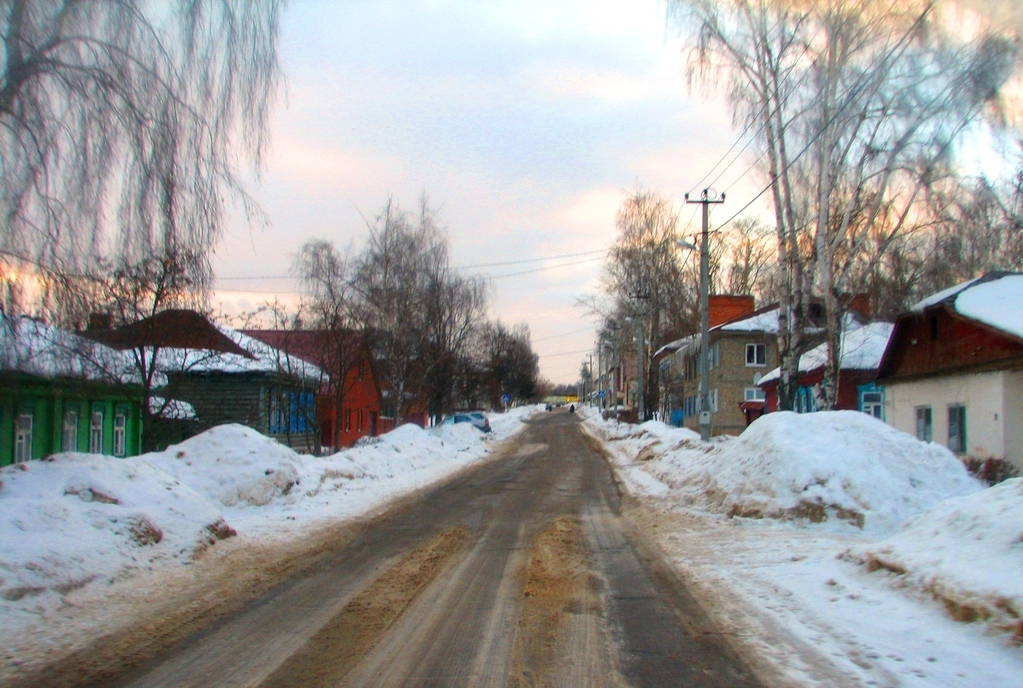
point(81, 527)
point(838, 550)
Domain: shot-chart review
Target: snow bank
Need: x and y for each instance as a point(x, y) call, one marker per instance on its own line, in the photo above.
point(76, 518)
point(80, 519)
point(231, 464)
point(842, 465)
point(966, 552)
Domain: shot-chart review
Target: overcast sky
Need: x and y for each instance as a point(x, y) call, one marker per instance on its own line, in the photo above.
point(525, 122)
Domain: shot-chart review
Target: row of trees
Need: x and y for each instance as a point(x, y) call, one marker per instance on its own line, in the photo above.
point(424, 321)
point(858, 111)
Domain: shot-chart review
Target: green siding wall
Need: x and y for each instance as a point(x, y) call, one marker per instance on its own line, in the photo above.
point(47, 403)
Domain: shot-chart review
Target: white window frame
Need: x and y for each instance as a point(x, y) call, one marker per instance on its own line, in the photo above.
point(754, 394)
point(23, 427)
point(755, 347)
point(120, 433)
point(96, 432)
point(713, 401)
point(69, 436)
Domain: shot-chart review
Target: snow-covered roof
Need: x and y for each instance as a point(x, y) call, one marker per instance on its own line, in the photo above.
point(935, 299)
point(35, 348)
point(765, 321)
point(173, 409)
point(266, 359)
point(672, 347)
point(998, 303)
point(862, 349)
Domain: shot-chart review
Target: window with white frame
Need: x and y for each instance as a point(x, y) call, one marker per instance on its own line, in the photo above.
point(872, 403)
point(756, 354)
point(713, 401)
point(120, 428)
point(957, 428)
point(70, 434)
point(924, 424)
point(754, 394)
point(23, 438)
point(96, 433)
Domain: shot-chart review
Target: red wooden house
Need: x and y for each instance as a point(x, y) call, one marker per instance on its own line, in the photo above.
point(349, 403)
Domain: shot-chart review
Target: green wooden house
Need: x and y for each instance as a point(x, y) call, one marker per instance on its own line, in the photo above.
point(61, 392)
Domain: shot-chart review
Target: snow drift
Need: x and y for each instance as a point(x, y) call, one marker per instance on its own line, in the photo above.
point(824, 466)
point(76, 518)
point(966, 552)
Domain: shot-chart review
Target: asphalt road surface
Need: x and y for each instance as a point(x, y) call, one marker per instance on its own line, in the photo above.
point(519, 573)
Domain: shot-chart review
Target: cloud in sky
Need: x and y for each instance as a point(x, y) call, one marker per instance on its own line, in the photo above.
point(524, 121)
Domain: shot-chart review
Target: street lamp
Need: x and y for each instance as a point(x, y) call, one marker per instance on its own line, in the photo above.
point(705, 199)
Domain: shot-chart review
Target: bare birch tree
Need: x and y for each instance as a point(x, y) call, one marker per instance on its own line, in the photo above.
point(858, 105)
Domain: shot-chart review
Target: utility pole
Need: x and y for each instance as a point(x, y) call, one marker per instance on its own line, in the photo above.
point(590, 398)
point(706, 198)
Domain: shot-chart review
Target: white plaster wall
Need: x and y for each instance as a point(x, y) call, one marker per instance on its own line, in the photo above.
point(1014, 418)
point(983, 394)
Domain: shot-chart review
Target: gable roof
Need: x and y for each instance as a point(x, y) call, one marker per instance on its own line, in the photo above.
point(174, 328)
point(989, 334)
point(260, 358)
point(995, 299)
point(324, 348)
point(863, 348)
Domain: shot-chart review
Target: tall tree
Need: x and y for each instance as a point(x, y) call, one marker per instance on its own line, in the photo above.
point(122, 125)
point(857, 105)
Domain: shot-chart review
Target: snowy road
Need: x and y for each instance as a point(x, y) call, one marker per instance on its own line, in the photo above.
point(518, 573)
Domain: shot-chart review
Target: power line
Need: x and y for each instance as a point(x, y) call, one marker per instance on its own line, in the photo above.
point(458, 267)
point(530, 260)
point(565, 353)
point(549, 267)
point(563, 334)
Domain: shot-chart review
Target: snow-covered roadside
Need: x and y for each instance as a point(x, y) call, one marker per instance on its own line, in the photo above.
point(825, 603)
point(80, 533)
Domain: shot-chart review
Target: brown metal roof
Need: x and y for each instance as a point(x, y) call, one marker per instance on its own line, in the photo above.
point(174, 328)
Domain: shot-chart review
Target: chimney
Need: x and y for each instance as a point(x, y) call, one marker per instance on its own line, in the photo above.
point(725, 307)
point(860, 305)
point(99, 321)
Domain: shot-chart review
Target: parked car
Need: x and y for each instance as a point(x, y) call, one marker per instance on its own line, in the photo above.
point(477, 418)
point(480, 420)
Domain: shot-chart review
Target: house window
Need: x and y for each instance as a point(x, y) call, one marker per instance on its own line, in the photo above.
point(714, 401)
point(872, 403)
point(277, 412)
point(754, 394)
point(96, 433)
point(358, 420)
point(756, 354)
point(348, 419)
point(924, 424)
point(301, 405)
point(957, 429)
point(120, 426)
point(714, 356)
point(23, 438)
point(70, 437)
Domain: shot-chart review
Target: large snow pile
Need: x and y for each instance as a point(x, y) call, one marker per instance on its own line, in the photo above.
point(76, 518)
point(824, 466)
point(231, 464)
point(966, 552)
